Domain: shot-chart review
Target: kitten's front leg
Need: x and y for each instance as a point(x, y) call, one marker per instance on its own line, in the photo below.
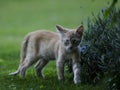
point(76, 71)
point(60, 68)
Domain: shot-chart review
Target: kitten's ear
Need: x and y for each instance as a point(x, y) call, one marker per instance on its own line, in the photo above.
point(80, 30)
point(61, 29)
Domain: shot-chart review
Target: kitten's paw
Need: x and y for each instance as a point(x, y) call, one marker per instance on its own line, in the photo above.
point(77, 81)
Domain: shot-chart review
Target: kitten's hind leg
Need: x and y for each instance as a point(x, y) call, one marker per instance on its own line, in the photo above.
point(39, 66)
point(26, 64)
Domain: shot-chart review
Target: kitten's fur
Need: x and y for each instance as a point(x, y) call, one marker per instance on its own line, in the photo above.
point(41, 46)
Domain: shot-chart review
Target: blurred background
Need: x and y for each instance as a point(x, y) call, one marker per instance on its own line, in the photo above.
point(19, 16)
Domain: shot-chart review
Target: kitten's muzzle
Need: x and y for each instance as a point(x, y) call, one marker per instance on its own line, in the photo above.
point(71, 47)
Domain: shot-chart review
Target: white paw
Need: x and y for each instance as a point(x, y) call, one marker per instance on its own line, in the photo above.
point(77, 81)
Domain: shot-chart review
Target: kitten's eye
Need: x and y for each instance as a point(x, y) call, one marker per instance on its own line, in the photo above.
point(67, 42)
point(76, 42)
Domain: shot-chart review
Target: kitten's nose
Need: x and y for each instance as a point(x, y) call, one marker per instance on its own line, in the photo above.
point(71, 47)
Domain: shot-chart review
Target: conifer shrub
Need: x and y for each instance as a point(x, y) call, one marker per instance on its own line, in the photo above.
point(101, 55)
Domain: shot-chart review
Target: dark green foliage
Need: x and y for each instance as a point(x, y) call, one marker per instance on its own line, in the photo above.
point(101, 54)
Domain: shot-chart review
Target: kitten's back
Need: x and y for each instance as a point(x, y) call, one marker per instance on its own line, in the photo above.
point(43, 34)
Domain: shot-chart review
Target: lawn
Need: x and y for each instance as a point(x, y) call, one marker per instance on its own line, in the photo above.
point(18, 17)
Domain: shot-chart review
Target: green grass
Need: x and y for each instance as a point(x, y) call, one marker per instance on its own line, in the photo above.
point(18, 17)
point(32, 82)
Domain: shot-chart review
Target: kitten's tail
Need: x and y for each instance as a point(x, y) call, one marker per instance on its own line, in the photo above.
point(23, 54)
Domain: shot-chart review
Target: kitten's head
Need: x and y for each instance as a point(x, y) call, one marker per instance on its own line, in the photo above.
point(70, 38)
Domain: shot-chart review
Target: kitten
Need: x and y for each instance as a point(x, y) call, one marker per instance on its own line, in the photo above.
point(39, 47)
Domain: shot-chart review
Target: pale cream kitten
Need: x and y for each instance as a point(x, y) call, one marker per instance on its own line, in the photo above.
point(39, 47)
